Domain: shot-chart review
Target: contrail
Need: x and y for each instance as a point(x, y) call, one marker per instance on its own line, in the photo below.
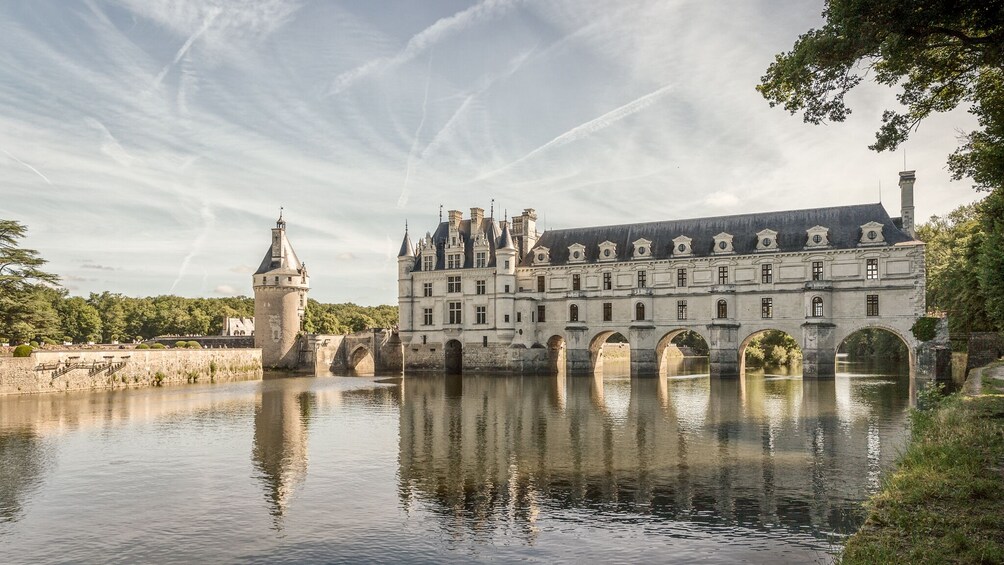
point(208, 218)
point(32, 169)
point(586, 129)
point(403, 199)
point(188, 45)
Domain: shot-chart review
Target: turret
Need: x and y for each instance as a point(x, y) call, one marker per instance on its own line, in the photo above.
point(906, 180)
point(280, 288)
point(405, 265)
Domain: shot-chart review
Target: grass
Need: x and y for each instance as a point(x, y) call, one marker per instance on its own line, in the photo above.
point(944, 503)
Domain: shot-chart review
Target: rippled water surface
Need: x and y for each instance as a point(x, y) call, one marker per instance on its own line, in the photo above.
point(347, 469)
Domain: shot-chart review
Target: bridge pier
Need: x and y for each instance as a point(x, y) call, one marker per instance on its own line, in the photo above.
point(644, 361)
point(578, 363)
point(723, 354)
point(819, 350)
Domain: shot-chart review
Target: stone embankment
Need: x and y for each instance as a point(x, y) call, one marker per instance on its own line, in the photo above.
point(57, 371)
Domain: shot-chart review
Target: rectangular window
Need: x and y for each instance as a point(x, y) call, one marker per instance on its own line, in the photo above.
point(681, 309)
point(506, 264)
point(427, 263)
point(871, 269)
point(519, 316)
point(766, 307)
point(479, 287)
point(872, 305)
point(484, 341)
point(455, 313)
point(480, 259)
point(607, 281)
point(480, 316)
point(453, 261)
point(506, 317)
point(540, 283)
point(608, 311)
point(427, 289)
point(540, 313)
point(723, 275)
point(817, 270)
point(767, 273)
point(681, 277)
point(576, 282)
point(427, 316)
point(453, 284)
point(642, 279)
point(507, 289)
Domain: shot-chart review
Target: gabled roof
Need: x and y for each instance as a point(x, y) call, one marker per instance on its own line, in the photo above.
point(441, 236)
point(844, 224)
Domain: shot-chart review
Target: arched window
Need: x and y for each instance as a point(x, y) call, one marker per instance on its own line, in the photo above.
point(817, 307)
point(573, 313)
point(639, 311)
point(723, 309)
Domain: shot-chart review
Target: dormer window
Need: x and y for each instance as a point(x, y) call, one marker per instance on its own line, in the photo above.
point(608, 251)
point(541, 256)
point(817, 236)
point(871, 234)
point(642, 249)
point(723, 243)
point(576, 253)
point(681, 246)
point(766, 240)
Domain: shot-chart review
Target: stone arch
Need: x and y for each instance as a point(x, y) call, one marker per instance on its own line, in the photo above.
point(453, 352)
point(596, 344)
point(663, 344)
point(556, 355)
point(906, 338)
point(361, 360)
point(760, 331)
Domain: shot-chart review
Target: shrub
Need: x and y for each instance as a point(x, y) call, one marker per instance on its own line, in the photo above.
point(143, 346)
point(925, 329)
point(22, 351)
point(158, 346)
point(33, 343)
point(158, 378)
point(181, 344)
point(194, 345)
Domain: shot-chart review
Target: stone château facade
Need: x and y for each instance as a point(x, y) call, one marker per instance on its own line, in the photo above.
point(280, 287)
point(488, 295)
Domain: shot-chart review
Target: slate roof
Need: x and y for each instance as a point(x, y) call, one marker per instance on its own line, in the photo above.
point(844, 224)
point(440, 237)
point(289, 263)
point(407, 249)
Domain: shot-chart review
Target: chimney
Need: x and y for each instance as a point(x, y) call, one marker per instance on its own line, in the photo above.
point(455, 216)
point(477, 216)
point(529, 230)
point(906, 180)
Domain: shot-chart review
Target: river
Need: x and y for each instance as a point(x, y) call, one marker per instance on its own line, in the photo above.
point(767, 469)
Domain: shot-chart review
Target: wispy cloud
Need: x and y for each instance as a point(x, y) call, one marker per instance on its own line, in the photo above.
point(428, 37)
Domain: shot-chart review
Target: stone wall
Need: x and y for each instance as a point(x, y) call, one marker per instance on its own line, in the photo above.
point(984, 348)
point(56, 371)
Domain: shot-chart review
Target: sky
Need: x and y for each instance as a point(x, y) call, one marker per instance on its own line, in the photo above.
point(149, 145)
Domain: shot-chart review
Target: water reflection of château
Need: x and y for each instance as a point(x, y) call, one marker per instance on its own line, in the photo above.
point(782, 456)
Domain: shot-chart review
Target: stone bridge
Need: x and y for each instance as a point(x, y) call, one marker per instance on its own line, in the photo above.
point(372, 351)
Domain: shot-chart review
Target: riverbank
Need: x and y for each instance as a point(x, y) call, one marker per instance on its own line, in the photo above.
point(61, 371)
point(944, 503)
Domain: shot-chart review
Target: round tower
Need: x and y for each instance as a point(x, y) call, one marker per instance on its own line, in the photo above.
point(280, 287)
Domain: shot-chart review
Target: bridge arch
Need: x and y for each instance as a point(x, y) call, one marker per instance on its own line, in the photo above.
point(662, 346)
point(453, 351)
point(775, 333)
point(361, 360)
point(596, 354)
point(905, 338)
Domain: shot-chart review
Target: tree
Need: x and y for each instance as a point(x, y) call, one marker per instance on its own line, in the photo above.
point(990, 263)
point(25, 306)
point(940, 54)
point(81, 321)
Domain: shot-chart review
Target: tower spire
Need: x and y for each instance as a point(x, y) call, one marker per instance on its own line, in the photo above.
point(280, 223)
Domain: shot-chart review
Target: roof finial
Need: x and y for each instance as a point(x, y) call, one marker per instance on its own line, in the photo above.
point(440, 213)
point(280, 223)
point(492, 214)
point(506, 216)
point(405, 226)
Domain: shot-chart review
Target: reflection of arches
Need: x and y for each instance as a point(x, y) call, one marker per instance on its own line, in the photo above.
point(454, 352)
point(676, 365)
point(556, 355)
point(597, 355)
point(906, 343)
point(361, 360)
point(760, 333)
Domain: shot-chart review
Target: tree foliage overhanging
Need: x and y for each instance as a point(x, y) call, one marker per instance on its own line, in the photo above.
point(940, 54)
